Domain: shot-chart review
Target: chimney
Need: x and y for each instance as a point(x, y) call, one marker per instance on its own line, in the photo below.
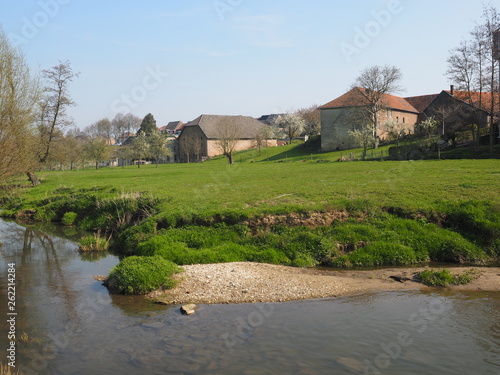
point(452, 89)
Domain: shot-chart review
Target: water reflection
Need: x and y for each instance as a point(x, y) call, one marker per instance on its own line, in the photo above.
point(76, 327)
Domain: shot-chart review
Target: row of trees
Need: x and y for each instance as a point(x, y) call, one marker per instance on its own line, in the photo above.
point(473, 67)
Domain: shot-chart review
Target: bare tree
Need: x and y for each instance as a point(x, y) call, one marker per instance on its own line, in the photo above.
point(462, 68)
point(261, 138)
point(377, 81)
point(19, 93)
point(101, 128)
point(491, 19)
point(54, 105)
point(228, 133)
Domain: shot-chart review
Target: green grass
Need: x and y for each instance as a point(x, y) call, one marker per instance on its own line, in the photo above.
point(394, 212)
point(140, 275)
point(444, 277)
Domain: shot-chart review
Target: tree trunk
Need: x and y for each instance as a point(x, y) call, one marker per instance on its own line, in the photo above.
point(33, 179)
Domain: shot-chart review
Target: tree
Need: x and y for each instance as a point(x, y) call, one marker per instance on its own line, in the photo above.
point(19, 93)
point(377, 81)
point(97, 150)
point(54, 104)
point(427, 127)
point(396, 130)
point(101, 128)
point(462, 68)
point(148, 125)
point(491, 24)
point(292, 124)
point(139, 149)
point(472, 66)
point(157, 146)
point(261, 138)
point(363, 136)
point(312, 119)
point(227, 133)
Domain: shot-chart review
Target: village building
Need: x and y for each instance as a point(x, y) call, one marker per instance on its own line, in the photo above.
point(337, 117)
point(454, 110)
point(202, 138)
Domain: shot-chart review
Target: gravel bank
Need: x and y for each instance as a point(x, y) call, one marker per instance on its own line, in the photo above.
point(244, 282)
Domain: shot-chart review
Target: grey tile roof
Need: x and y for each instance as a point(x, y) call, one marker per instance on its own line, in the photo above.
point(209, 124)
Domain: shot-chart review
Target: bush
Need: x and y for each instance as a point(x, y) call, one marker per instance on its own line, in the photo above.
point(140, 275)
point(69, 218)
point(446, 278)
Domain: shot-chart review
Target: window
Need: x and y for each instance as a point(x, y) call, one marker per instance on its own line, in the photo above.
point(397, 119)
point(389, 112)
point(403, 120)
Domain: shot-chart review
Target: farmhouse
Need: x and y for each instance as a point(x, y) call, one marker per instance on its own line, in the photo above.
point(455, 111)
point(205, 136)
point(337, 117)
point(172, 128)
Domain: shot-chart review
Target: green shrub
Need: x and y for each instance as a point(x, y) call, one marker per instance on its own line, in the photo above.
point(446, 278)
point(140, 275)
point(69, 218)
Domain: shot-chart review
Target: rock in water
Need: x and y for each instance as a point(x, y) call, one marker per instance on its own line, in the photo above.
point(189, 309)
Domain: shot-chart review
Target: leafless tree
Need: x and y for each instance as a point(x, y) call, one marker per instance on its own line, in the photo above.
point(462, 68)
point(377, 81)
point(54, 104)
point(228, 133)
point(261, 138)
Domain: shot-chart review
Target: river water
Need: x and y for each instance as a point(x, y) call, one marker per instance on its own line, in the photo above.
point(67, 323)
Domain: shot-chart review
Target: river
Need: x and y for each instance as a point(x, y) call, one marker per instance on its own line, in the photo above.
point(67, 323)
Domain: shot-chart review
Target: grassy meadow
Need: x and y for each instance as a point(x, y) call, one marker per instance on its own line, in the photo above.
point(384, 212)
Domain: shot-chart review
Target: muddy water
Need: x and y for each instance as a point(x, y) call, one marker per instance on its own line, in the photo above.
point(73, 326)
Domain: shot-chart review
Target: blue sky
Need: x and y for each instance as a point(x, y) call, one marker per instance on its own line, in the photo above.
point(179, 59)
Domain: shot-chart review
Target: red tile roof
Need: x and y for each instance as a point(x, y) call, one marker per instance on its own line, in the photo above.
point(421, 102)
point(357, 97)
point(476, 98)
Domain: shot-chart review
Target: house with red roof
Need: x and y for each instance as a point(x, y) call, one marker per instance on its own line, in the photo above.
point(455, 111)
point(337, 117)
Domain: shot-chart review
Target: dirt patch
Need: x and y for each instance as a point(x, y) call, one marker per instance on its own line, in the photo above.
point(308, 219)
point(242, 282)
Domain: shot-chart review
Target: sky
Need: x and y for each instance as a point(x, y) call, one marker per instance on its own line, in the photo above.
point(180, 59)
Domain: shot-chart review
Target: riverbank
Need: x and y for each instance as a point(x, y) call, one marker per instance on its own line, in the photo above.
point(244, 282)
